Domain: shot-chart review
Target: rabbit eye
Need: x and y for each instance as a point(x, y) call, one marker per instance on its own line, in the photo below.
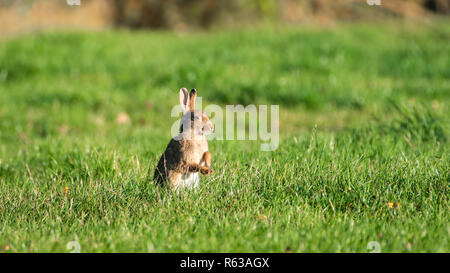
point(194, 117)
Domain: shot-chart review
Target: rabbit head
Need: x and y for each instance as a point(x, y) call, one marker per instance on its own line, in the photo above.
point(193, 121)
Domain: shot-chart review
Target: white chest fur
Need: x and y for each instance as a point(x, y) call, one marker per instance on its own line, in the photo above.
point(189, 181)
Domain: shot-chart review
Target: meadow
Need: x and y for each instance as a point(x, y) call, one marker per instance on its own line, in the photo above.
point(363, 154)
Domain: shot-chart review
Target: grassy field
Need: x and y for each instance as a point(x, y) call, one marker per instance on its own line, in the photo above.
point(363, 154)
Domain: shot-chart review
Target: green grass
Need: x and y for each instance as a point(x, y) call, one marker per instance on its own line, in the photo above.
point(379, 95)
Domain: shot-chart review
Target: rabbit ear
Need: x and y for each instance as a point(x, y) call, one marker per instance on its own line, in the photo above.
point(192, 96)
point(184, 99)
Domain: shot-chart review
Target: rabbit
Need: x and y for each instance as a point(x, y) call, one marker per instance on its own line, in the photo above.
point(186, 154)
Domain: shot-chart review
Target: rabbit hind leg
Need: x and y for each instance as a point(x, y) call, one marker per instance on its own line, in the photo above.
point(174, 179)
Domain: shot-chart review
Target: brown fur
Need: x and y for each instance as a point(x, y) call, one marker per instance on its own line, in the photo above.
point(188, 152)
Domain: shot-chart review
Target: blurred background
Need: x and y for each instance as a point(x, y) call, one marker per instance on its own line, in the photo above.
point(80, 66)
point(23, 15)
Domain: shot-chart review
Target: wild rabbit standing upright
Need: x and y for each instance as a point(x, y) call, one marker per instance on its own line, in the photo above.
point(186, 154)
